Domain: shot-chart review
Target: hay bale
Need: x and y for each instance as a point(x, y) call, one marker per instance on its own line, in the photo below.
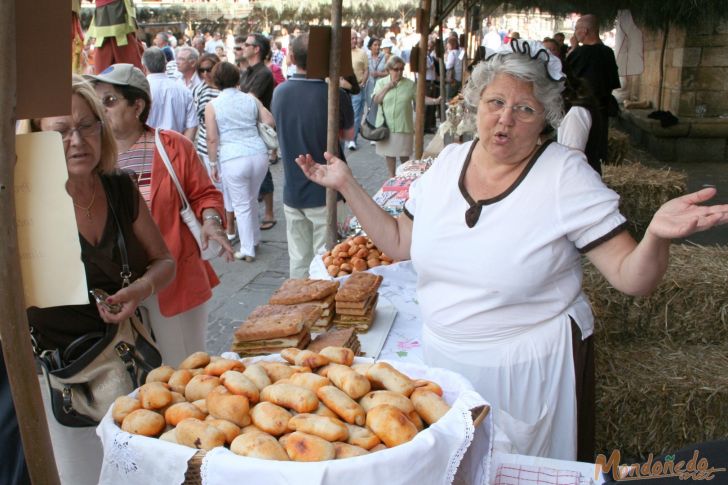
point(642, 191)
point(690, 305)
point(617, 147)
point(658, 398)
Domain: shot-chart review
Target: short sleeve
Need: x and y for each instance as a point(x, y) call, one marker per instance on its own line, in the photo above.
point(418, 187)
point(574, 128)
point(588, 210)
point(190, 115)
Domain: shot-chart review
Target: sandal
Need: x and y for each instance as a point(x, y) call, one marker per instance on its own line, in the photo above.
point(266, 225)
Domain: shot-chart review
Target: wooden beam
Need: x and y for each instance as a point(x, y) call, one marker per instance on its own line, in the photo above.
point(332, 138)
point(14, 324)
point(421, 82)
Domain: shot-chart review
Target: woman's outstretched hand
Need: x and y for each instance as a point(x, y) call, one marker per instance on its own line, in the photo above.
point(683, 216)
point(335, 175)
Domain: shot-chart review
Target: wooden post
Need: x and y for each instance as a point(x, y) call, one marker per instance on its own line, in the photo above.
point(424, 28)
point(332, 138)
point(14, 324)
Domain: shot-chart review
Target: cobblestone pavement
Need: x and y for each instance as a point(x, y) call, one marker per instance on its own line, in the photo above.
point(246, 285)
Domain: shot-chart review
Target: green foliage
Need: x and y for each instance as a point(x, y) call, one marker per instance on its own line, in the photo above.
point(655, 14)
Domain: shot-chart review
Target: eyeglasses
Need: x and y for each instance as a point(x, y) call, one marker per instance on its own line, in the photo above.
point(521, 112)
point(203, 70)
point(396, 69)
point(85, 130)
point(109, 101)
point(238, 48)
point(249, 45)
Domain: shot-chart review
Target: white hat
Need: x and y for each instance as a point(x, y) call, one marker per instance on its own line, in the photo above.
point(387, 43)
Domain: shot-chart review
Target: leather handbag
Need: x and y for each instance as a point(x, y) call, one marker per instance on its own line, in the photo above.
point(370, 130)
point(96, 368)
point(268, 135)
point(214, 249)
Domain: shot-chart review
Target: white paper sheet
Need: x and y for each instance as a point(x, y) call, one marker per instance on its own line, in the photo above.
point(373, 340)
point(50, 252)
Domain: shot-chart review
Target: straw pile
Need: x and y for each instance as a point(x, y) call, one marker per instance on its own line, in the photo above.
point(642, 191)
point(656, 397)
point(617, 147)
point(689, 306)
point(662, 360)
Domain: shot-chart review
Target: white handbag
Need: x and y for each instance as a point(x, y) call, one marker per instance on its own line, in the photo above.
point(269, 136)
point(214, 249)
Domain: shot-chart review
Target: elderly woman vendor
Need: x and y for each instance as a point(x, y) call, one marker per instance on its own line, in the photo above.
point(495, 230)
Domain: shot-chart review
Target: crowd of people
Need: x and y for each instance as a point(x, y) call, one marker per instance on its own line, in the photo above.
point(513, 304)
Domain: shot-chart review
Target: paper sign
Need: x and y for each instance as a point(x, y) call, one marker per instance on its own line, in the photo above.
point(50, 251)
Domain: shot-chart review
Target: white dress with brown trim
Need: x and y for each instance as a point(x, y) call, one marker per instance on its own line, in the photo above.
point(496, 297)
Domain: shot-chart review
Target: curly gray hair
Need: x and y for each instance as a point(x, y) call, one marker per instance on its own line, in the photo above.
point(523, 67)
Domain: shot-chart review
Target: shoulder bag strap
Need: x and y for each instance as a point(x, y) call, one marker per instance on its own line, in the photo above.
point(170, 169)
point(125, 269)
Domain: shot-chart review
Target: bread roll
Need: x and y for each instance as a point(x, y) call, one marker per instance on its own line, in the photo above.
point(361, 368)
point(231, 407)
point(299, 398)
point(258, 376)
point(258, 445)
point(200, 386)
point(237, 383)
point(169, 436)
point(338, 355)
point(154, 395)
point(340, 403)
point(143, 422)
point(375, 398)
point(160, 374)
point(251, 428)
point(201, 405)
point(123, 405)
point(300, 369)
point(220, 366)
point(379, 447)
point(429, 405)
point(180, 411)
point(391, 425)
point(283, 438)
point(345, 450)
point(428, 385)
point(306, 447)
point(230, 430)
point(322, 410)
point(385, 376)
point(199, 434)
point(362, 437)
point(306, 358)
point(277, 370)
point(177, 397)
point(330, 429)
point(416, 420)
point(309, 380)
point(270, 418)
point(289, 354)
point(197, 372)
point(195, 361)
point(349, 381)
point(179, 380)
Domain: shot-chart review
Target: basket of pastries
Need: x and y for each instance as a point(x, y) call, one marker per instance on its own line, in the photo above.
point(299, 416)
point(354, 254)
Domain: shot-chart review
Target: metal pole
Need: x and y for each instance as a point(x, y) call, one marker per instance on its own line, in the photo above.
point(332, 138)
point(14, 324)
point(421, 81)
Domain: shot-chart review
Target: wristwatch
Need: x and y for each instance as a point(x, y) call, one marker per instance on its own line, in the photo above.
point(214, 217)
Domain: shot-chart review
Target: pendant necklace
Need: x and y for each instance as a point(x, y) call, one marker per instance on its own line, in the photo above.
point(91, 204)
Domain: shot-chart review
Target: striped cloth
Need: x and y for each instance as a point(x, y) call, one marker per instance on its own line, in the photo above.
point(201, 95)
point(137, 160)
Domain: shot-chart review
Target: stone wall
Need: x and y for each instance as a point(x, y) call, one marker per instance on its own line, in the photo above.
point(695, 70)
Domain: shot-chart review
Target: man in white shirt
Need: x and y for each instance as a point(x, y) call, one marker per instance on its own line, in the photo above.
point(172, 107)
point(492, 40)
point(187, 66)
